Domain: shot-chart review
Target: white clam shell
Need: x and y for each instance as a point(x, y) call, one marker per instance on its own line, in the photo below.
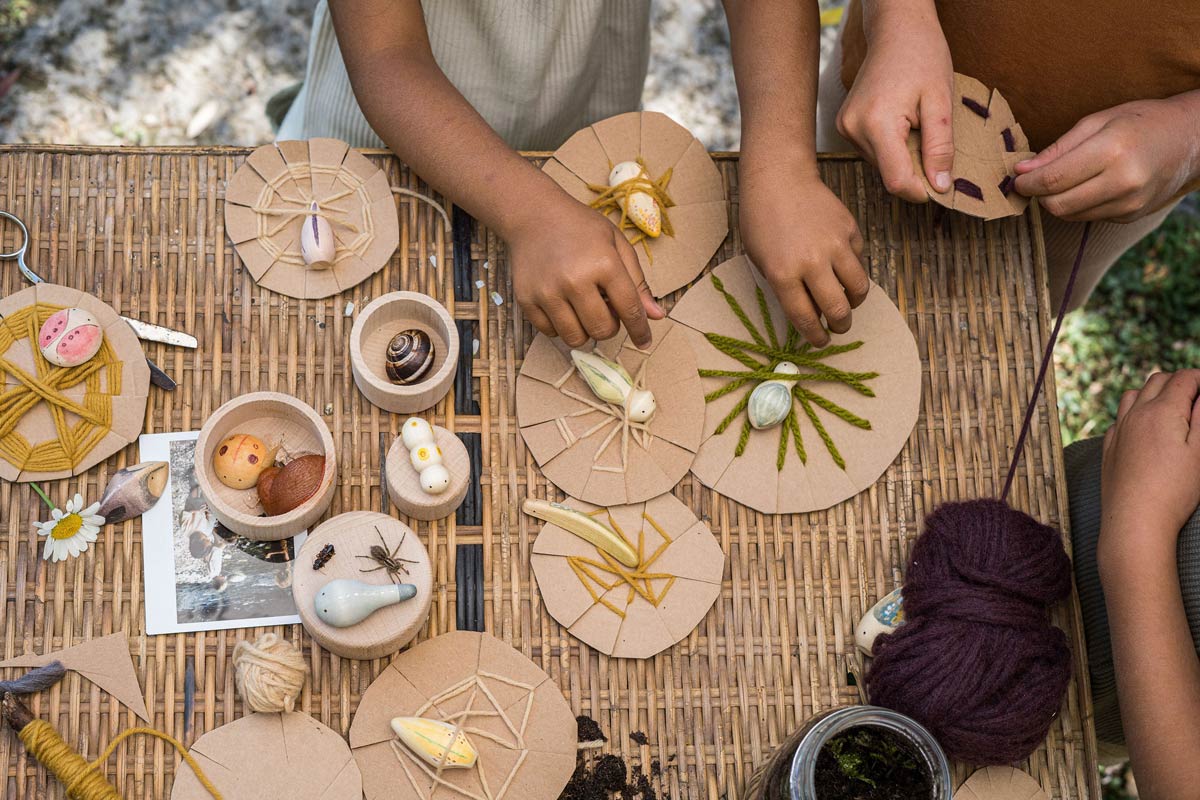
point(769, 404)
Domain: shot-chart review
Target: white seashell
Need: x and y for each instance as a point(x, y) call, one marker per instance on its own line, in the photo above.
point(425, 455)
point(416, 431)
point(771, 401)
point(435, 479)
point(343, 602)
point(884, 617)
point(317, 245)
point(438, 743)
point(641, 208)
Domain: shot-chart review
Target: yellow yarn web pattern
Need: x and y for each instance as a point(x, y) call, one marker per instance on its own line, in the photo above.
point(78, 425)
point(612, 199)
point(601, 577)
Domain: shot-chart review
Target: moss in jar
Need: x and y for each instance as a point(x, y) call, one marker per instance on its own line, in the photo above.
point(867, 762)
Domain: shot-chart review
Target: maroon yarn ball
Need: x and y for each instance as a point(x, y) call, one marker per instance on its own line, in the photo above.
point(977, 661)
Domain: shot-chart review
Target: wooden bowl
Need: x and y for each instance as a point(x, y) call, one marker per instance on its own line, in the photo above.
point(375, 326)
point(272, 417)
point(352, 535)
point(404, 483)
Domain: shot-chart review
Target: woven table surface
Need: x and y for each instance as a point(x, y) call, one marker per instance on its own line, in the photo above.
point(143, 229)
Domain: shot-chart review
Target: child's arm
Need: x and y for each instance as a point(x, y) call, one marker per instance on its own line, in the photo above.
point(1150, 487)
point(797, 232)
point(573, 272)
point(906, 82)
point(1119, 164)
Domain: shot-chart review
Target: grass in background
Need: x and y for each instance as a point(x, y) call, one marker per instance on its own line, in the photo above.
point(1144, 316)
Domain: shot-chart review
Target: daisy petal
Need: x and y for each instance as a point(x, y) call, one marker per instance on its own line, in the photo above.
point(92, 509)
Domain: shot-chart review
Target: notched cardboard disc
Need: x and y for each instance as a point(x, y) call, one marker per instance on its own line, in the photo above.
point(264, 204)
point(866, 426)
point(700, 215)
point(631, 612)
point(511, 712)
point(100, 406)
point(581, 442)
point(1000, 783)
point(988, 143)
point(272, 757)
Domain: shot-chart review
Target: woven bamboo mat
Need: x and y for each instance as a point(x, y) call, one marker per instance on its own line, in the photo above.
point(143, 229)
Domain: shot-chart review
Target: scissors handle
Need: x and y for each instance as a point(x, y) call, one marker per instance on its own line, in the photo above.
point(19, 253)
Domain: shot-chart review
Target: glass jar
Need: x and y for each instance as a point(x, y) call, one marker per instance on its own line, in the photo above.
point(823, 727)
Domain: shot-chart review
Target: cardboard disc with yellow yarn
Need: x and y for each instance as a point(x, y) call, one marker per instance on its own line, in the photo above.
point(265, 201)
point(56, 422)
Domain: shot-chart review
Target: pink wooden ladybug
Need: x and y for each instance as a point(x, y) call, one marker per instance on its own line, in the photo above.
point(70, 337)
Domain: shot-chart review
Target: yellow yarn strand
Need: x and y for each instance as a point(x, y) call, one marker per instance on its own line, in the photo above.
point(92, 416)
point(84, 781)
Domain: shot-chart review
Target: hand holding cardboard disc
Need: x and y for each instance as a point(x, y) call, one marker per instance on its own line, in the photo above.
point(582, 448)
point(287, 756)
point(264, 204)
point(988, 143)
point(700, 216)
point(511, 712)
point(56, 422)
point(631, 612)
point(845, 432)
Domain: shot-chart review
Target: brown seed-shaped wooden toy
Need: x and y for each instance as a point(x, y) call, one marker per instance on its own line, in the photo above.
point(409, 356)
point(241, 459)
point(282, 489)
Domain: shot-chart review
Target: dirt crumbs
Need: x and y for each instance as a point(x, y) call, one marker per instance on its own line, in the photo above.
point(639, 738)
point(603, 778)
point(589, 730)
point(870, 763)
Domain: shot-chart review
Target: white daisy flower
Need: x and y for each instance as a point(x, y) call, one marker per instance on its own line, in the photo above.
point(69, 531)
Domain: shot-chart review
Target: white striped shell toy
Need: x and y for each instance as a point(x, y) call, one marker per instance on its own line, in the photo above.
point(409, 357)
point(771, 401)
point(437, 743)
point(610, 382)
point(317, 245)
point(640, 207)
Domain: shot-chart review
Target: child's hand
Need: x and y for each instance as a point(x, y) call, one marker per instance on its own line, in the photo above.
point(1150, 482)
point(906, 83)
point(1120, 164)
point(577, 277)
point(805, 243)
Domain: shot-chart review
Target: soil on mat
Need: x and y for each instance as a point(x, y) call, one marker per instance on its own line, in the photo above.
point(870, 763)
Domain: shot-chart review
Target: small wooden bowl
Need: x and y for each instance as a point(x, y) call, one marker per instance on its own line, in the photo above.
point(404, 483)
point(352, 535)
point(375, 326)
point(272, 417)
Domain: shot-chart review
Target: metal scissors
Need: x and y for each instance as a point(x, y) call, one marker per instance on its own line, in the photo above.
point(144, 330)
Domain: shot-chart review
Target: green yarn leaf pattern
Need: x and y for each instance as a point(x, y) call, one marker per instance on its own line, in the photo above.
point(760, 355)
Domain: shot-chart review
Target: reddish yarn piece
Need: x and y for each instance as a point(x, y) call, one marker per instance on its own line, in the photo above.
point(977, 661)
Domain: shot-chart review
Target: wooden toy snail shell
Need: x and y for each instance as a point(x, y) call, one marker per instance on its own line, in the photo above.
point(653, 605)
point(580, 441)
point(390, 627)
point(404, 479)
point(276, 420)
point(103, 400)
point(700, 215)
point(523, 729)
point(755, 478)
point(375, 328)
point(269, 205)
point(288, 756)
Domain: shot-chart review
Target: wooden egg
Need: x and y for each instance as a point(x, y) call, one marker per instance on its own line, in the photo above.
point(70, 337)
point(241, 459)
point(409, 357)
point(281, 489)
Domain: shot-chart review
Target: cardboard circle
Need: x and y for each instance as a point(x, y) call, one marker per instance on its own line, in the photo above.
point(539, 755)
point(374, 328)
point(121, 386)
point(700, 215)
point(984, 154)
point(563, 432)
point(1000, 783)
point(353, 534)
point(279, 179)
point(404, 482)
point(754, 478)
point(272, 417)
point(272, 757)
point(691, 562)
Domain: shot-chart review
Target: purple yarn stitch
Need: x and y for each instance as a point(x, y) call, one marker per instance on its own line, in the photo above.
point(977, 660)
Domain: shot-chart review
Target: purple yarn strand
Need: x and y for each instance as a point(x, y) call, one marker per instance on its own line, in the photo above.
point(36, 680)
point(1046, 357)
